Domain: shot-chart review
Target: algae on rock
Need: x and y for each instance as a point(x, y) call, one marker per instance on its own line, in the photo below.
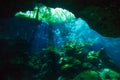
point(48, 14)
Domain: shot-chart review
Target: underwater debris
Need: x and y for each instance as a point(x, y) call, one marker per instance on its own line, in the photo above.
point(43, 13)
point(49, 64)
point(84, 64)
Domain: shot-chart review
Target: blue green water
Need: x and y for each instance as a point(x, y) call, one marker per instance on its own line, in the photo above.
point(75, 31)
point(42, 34)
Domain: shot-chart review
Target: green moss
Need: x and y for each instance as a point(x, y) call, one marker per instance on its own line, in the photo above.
point(108, 74)
point(93, 54)
point(87, 75)
point(44, 13)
